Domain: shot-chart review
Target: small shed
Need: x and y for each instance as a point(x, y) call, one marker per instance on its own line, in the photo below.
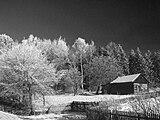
point(130, 84)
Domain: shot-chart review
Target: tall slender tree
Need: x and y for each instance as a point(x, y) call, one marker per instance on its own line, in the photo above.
point(150, 67)
point(82, 51)
point(156, 68)
point(102, 70)
point(115, 51)
point(137, 63)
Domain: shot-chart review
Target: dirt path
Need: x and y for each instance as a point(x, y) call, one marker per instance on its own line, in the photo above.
point(69, 116)
point(8, 116)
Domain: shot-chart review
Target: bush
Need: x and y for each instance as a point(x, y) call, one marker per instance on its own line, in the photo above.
point(98, 113)
point(145, 105)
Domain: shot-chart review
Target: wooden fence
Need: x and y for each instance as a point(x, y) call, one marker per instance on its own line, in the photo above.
point(82, 106)
point(93, 112)
point(100, 114)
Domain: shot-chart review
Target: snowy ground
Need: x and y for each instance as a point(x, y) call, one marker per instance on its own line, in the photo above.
point(42, 117)
point(58, 100)
point(72, 116)
point(63, 99)
point(58, 103)
point(8, 116)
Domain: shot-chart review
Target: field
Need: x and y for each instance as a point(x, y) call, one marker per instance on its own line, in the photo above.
point(57, 101)
point(68, 98)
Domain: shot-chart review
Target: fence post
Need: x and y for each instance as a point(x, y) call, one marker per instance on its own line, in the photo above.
point(110, 115)
point(72, 106)
point(84, 106)
point(138, 117)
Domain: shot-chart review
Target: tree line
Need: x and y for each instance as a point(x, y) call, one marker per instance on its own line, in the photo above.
point(36, 65)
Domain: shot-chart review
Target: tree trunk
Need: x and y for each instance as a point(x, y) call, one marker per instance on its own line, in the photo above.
point(30, 100)
point(81, 73)
point(75, 92)
point(97, 91)
point(75, 89)
point(103, 91)
point(44, 100)
point(30, 104)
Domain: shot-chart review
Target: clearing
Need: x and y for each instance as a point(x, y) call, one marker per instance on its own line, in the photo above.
point(68, 98)
point(57, 101)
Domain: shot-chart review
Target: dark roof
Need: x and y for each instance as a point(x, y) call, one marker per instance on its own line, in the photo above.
point(128, 78)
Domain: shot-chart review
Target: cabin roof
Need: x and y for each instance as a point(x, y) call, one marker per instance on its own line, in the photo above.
point(128, 78)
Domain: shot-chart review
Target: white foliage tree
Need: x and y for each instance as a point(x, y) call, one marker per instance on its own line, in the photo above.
point(5, 42)
point(82, 50)
point(56, 51)
point(29, 68)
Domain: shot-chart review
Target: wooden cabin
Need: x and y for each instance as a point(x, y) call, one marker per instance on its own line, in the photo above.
point(130, 84)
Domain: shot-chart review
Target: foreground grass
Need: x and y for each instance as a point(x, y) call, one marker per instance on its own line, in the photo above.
point(59, 102)
point(8, 116)
point(71, 116)
point(68, 98)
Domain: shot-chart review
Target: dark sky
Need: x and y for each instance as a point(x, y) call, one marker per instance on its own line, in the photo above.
point(131, 23)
